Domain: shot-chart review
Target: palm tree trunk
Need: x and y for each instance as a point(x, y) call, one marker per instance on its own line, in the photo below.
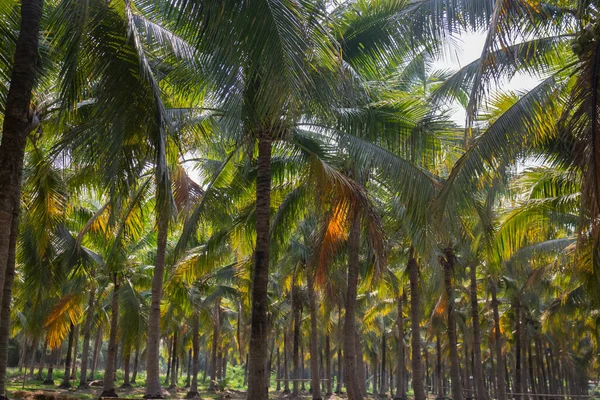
point(188, 381)
point(136, 363)
point(74, 354)
point(193, 392)
point(6, 300)
point(67, 376)
point(169, 361)
point(328, 374)
point(153, 389)
point(360, 366)
point(258, 388)
point(383, 390)
point(518, 354)
point(500, 379)
point(314, 341)
point(49, 378)
point(296, 342)
point(127, 371)
point(478, 367)
point(447, 266)
point(97, 346)
point(111, 354)
point(174, 362)
point(350, 372)
point(286, 370)
point(86, 338)
point(278, 370)
point(340, 372)
point(415, 317)
point(40, 375)
point(19, 120)
point(215, 347)
point(439, 368)
point(400, 389)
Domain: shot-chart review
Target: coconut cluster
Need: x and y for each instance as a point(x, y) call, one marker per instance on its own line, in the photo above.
point(585, 39)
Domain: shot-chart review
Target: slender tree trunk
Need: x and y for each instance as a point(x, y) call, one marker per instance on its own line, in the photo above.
point(328, 374)
point(518, 375)
point(400, 388)
point(439, 368)
point(225, 363)
point(340, 374)
point(111, 354)
point(448, 266)
point(74, 354)
point(169, 361)
point(523, 339)
point(279, 375)
point(174, 362)
point(153, 388)
point(258, 387)
point(478, 367)
point(86, 338)
point(314, 340)
point(34, 346)
point(49, 378)
point(40, 375)
point(136, 363)
point(67, 376)
point(302, 373)
point(97, 347)
point(19, 120)
point(415, 317)
point(215, 346)
point(383, 391)
point(296, 342)
point(360, 366)
point(193, 392)
point(500, 379)
point(539, 355)
point(286, 370)
point(350, 372)
point(6, 300)
point(188, 380)
point(127, 371)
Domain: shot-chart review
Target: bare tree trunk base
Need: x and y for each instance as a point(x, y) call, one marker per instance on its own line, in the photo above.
point(172, 387)
point(48, 382)
point(109, 393)
point(149, 396)
point(64, 385)
point(192, 395)
point(126, 386)
point(83, 386)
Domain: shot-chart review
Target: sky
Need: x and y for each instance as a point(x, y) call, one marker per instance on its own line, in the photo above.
point(467, 48)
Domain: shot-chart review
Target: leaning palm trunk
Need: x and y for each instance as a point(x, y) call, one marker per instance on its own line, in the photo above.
point(153, 389)
point(478, 366)
point(6, 300)
point(111, 354)
point(314, 345)
point(350, 372)
point(328, 374)
point(258, 353)
point(415, 318)
point(174, 360)
point(19, 120)
point(86, 338)
point(448, 265)
point(193, 392)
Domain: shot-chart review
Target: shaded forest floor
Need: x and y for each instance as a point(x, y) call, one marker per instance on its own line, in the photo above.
point(29, 388)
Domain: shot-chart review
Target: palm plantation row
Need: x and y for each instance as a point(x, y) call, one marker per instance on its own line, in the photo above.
point(278, 185)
